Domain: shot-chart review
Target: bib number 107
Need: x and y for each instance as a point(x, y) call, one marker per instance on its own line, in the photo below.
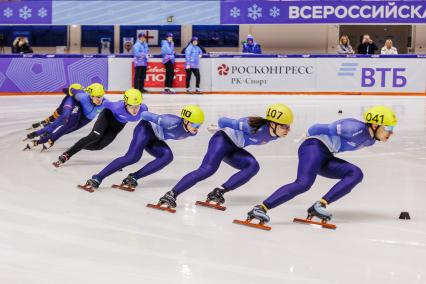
point(274, 113)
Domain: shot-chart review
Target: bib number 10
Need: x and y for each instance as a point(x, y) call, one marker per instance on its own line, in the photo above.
point(377, 118)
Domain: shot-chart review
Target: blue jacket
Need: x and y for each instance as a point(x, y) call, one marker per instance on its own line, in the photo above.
point(167, 51)
point(342, 135)
point(89, 109)
point(192, 56)
point(242, 134)
point(167, 126)
point(140, 53)
point(120, 112)
point(254, 48)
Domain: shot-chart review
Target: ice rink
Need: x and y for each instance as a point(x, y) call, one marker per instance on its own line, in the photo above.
point(53, 232)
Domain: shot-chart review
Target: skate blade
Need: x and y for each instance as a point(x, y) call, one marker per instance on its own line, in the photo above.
point(44, 149)
point(56, 164)
point(87, 188)
point(211, 205)
point(159, 207)
point(253, 225)
point(28, 147)
point(322, 224)
point(123, 187)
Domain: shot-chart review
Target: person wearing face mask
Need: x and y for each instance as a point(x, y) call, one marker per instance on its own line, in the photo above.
point(250, 46)
point(192, 65)
point(109, 123)
point(140, 60)
point(150, 135)
point(316, 157)
point(227, 144)
point(168, 55)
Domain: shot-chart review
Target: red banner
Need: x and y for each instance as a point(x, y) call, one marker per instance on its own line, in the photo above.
point(156, 74)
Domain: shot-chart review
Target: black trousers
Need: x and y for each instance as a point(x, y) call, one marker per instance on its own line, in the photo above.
point(196, 72)
point(140, 76)
point(170, 73)
point(103, 133)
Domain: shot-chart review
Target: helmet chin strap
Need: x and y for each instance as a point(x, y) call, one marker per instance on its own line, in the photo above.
point(374, 132)
point(185, 126)
point(274, 129)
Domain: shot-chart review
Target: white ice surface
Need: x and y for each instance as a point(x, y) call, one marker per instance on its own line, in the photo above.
point(52, 232)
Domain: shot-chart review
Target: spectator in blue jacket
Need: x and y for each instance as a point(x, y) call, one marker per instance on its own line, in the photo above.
point(168, 54)
point(250, 46)
point(193, 53)
point(140, 53)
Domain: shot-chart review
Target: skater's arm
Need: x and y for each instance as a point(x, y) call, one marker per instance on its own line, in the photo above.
point(79, 95)
point(322, 129)
point(165, 121)
point(151, 117)
point(350, 128)
point(239, 124)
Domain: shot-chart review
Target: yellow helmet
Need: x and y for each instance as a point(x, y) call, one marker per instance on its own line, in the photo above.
point(279, 113)
point(75, 86)
point(95, 90)
point(132, 97)
point(380, 115)
point(193, 113)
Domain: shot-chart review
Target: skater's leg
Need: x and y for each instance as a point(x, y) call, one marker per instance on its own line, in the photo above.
point(219, 146)
point(68, 126)
point(163, 156)
point(246, 163)
point(312, 155)
point(99, 129)
point(349, 174)
point(133, 155)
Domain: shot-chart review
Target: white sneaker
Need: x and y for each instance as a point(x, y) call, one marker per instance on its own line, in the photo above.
point(172, 90)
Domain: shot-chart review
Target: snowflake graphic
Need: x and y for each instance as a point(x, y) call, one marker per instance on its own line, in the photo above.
point(254, 12)
point(25, 12)
point(42, 12)
point(8, 12)
point(234, 12)
point(274, 12)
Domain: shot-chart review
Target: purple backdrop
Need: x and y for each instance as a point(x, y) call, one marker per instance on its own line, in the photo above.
point(50, 74)
point(306, 12)
point(26, 12)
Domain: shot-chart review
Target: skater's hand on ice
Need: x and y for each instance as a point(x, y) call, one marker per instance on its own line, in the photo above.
point(212, 128)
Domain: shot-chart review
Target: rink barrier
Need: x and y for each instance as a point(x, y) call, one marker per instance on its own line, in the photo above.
point(276, 74)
